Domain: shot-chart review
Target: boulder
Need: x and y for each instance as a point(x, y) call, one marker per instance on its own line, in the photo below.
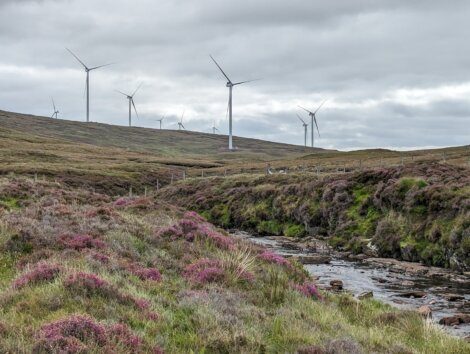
point(453, 297)
point(414, 293)
point(336, 284)
point(313, 259)
point(425, 311)
point(455, 320)
point(365, 295)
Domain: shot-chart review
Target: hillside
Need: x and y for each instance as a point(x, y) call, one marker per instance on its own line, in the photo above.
point(169, 143)
point(85, 270)
point(81, 272)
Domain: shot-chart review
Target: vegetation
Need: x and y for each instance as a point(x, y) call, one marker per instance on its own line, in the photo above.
point(83, 272)
point(420, 212)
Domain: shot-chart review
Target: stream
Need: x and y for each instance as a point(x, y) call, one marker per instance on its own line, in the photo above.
point(386, 284)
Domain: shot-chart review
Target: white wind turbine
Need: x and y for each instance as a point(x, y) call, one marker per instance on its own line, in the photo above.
point(305, 130)
point(130, 98)
point(230, 85)
point(56, 111)
point(180, 123)
point(313, 119)
point(87, 70)
point(214, 128)
point(161, 120)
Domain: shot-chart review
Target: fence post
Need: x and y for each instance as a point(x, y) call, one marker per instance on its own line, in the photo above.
point(184, 175)
point(35, 176)
point(225, 173)
point(172, 176)
point(130, 191)
point(158, 185)
point(202, 173)
point(145, 191)
point(401, 160)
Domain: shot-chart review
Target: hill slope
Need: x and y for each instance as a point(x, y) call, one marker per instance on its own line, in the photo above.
point(169, 143)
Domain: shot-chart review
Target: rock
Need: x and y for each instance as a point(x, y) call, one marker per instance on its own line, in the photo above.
point(425, 311)
point(432, 302)
point(365, 295)
point(414, 293)
point(453, 297)
point(313, 259)
point(455, 320)
point(336, 284)
point(407, 283)
point(358, 257)
point(290, 245)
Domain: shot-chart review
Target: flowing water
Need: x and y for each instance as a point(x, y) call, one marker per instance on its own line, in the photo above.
point(387, 285)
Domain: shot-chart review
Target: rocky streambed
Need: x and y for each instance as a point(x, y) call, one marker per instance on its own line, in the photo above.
point(441, 294)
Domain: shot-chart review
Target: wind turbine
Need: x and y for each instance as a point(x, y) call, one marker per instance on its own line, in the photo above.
point(230, 85)
point(160, 120)
point(131, 103)
point(214, 128)
point(180, 123)
point(313, 119)
point(56, 112)
point(87, 70)
point(305, 130)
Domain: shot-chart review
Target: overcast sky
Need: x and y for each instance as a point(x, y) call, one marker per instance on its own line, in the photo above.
point(396, 73)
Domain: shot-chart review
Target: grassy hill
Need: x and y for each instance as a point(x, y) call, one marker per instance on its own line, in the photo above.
point(85, 271)
point(169, 143)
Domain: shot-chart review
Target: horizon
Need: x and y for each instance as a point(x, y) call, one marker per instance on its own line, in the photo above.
point(386, 87)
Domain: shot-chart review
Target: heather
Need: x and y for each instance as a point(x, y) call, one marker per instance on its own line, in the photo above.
point(419, 212)
point(83, 272)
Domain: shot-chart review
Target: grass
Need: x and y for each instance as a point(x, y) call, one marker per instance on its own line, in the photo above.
point(251, 307)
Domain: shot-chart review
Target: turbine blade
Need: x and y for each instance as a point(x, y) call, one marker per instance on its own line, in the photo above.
point(183, 126)
point(137, 89)
point(53, 104)
point(220, 69)
point(135, 109)
point(122, 93)
point(100, 66)
point(315, 120)
point(76, 57)
point(244, 82)
point(301, 119)
point(182, 117)
point(320, 106)
point(305, 109)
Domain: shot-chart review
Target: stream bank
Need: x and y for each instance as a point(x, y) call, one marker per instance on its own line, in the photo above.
point(404, 285)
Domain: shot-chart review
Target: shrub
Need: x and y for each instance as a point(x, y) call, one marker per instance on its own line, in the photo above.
point(42, 271)
point(79, 242)
point(204, 271)
point(146, 273)
point(87, 284)
point(308, 289)
point(272, 257)
point(69, 335)
point(122, 335)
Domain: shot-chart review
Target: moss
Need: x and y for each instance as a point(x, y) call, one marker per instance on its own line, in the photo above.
point(270, 227)
point(406, 183)
point(294, 230)
point(9, 203)
point(221, 214)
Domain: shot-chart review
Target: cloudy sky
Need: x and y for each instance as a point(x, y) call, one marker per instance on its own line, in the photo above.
point(396, 73)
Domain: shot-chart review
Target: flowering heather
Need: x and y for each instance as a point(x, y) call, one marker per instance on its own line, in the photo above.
point(204, 271)
point(69, 335)
point(272, 257)
point(100, 257)
point(42, 271)
point(122, 335)
point(79, 242)
point(146, 273)
point(308, 289)
point(122, 202)
point(88, 284)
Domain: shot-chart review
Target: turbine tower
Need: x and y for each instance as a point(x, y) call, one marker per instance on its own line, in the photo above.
point(180, 123)
point(87, 70)
point(131, 103)
point(56, 112)
point(313, 119)
point(214, 128)
point(230, 86)
point(161, 120)
point(305, 130)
